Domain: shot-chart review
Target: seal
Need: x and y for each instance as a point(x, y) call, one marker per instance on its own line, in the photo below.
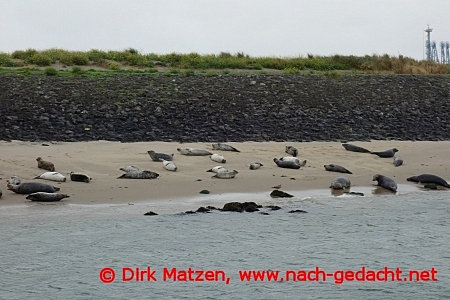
point(224, 147)
point(386, 154)
point(169, 165)
point(254, 165)
point(158, 156)
point(46, 197)
point(217, 169)
point(429, 178)
point(226, 175)
point(53, 176)
point(218, 158)
point(398, 161)
point(193, 152)
point(336, 168)
point(46, 165)
point(1, 193)
point(286, 164)
point(354, 148)
point(294, 159)
point(79, 177)
point(32, 187)
point(129, 169)
point(14, 180)
point(139, 175)
point(291, 150)
point(385, 182)
point(340, 183)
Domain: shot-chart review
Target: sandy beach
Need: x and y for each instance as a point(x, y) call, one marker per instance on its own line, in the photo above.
point(102, 160)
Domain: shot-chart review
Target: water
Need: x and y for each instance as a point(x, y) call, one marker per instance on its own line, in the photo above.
point(57, 251)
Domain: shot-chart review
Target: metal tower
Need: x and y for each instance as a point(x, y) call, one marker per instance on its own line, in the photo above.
point(428, 42)
point(442, 53)
point(447, 56)
point(434, 55)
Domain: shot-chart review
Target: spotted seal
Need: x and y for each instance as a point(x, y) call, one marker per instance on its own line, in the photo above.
point(385, 182)
point(46, 197)
point(386, 154)
point(291, 150)
point(32, 187)
point(429, 178)
point(354, 148)
point(218, 158)
point(129, 169)
point(46, 165)
point(340, 183)
point(14, 180)
point(169, 165)
point(398, 161)
point(254, 165)
point(224, 147)
point(80, 177)
point(336, 168)
point(217, 169)
point(53, 176)
point(193, 152)
point(139, 175)
point(286, 164)
point(158, 156)
point(294, 159)
point(226, 175)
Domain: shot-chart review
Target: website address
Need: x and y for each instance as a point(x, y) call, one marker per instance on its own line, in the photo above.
point(340, 276)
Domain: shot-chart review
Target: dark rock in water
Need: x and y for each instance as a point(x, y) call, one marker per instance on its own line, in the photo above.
point(354, 193)
point(250, 206)
point(273, 207)
point(45, 145)
point(189, 212)
point(280, 194)
point(211, 207)
point(431, 186)
point(204, 192)
point(297, 211)
point(203, 209)
point(233, 206)
point(150, 213)
point(1, 193)
point(264, 213)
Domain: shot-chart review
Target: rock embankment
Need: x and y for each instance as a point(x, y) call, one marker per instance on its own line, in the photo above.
point(200, 108)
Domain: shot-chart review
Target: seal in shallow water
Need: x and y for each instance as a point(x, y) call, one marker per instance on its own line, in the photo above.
point(217, 169)
point(32, 187)
point(286, 164)
point(291, 151)
point(158, 156)
point(218, 158)
point(354, 148)
point(224, 147)
point(53, 176)
point(139, 175)
point(46, 197)
point(385, 182)
point(386, 154)
point(336, 168)
point(14, 180)
point(340, 183)
point(46, 165)
point(193, 152)
point(79, 177)
point(398, 161)
point(429, 178)
point(226, 175)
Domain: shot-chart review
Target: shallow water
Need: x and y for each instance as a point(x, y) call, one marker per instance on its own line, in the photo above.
point(57, 251)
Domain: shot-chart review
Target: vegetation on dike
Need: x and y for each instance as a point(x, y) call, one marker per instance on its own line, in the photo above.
point(58, 61)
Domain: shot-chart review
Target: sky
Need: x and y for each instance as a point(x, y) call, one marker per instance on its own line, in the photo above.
point(275, 28)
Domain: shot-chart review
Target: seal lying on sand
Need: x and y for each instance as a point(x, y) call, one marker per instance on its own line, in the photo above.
point(294, 159)
point(429, 178)
point(129, 169)
point(53, 176)
point(14, 180)
point(193, 152)
point(385, 182)
point(158, 156)
point(398, 161)
point(254, 165)
point(336, 168)
point(218, 169)
point(46, 197)
point(224, 147)
point(286, 164)
point(291, 151)
point(354, 148)
point(386, 154)
point(218, 158)
point(226, 175)
point(139, 175)
point(32, 187)
point(46, 165)
point(340, 183)
point(79, 177)
point(169, 165)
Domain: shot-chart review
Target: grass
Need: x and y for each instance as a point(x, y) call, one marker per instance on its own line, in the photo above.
point(130, 60)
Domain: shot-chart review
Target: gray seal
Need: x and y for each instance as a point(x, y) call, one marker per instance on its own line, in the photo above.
point(386, 154)
point(224, 147)
point(79, 177)
point(194, 152)
point(429, 178)
point(46, 197)
point(14, 180)
point(32, 187)
point(46, 165)
point(294, 159)
point(354, 148)
point(286, 164)
point(129, 169)
point(291, 151)
point(340, 183)
point(385, 182)
point(158, 156)
point(336, 168)
point(139, 175)
point(226, 175)
point(254, 165)
point(398, 161)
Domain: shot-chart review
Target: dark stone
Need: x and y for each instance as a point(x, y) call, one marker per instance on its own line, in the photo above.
point(280, 194)
point(297, 211)
point(233, 206)
point(203, 209)
point(204, 192)
point(150, 213)
point(273, 207)
point(189, 212)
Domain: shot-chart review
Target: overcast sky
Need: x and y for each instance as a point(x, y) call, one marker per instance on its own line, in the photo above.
point(277, 28)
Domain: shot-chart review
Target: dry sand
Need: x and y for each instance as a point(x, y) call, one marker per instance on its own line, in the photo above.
point(102, 160)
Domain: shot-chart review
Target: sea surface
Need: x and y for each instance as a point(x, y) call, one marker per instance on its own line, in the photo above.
point(57, 251)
